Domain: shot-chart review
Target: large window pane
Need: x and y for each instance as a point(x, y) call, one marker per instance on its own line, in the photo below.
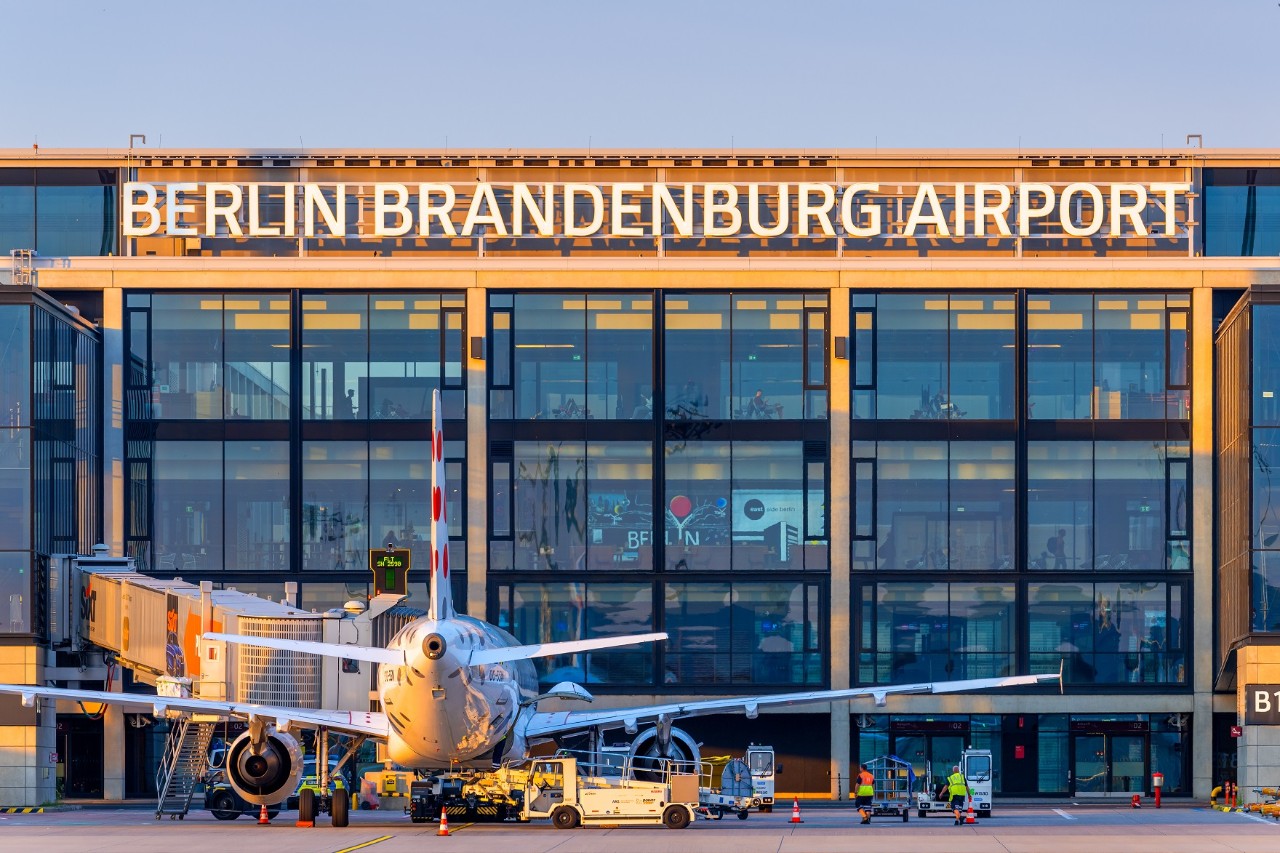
point(768, 356)
point(15, 592)
point(15, 364)
point(407, 333)
point(938, 631)
point(1060, 504)
point(981, 505)
point(1266, 365)
point(619, 356)
point(911, 355)
point(620, 526)
point(1266, 488)
point(1130, 354)
point(17, 211)
point(186, 352)
point(743, 633)
point(1060, 376)
point(335, 495)
point(187, 530)
point(981, 349)
point(696, 505)
point(335, 357)
point(257, 483)
point(550, 499)
point(550, 356)
point(256, 360)
point(1130, 486)
point(15, 489)
point(911, 505)
point(697, 356)
point(768, 505)
point(77, 220)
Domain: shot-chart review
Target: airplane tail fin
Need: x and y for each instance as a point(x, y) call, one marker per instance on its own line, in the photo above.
point(441, 606)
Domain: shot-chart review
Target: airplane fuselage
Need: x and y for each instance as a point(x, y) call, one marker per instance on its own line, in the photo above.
point(440, 708)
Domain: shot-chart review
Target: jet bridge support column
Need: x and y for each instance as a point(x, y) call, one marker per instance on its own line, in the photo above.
point(113, 750)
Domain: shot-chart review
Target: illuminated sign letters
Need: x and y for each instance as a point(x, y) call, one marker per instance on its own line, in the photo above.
point(638, 210)
point(1262, 705)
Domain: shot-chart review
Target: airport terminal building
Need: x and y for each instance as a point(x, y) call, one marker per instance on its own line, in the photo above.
point(827, 419)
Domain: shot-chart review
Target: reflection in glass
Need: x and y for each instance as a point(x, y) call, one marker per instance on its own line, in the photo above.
point(15, 365)
point(619, 356)
point(1060, 505)
point(550, 499)
point(335, 500)
point(414, 347)
point(257, 486)
point(763, 633)
point(697, 343)
point(335, 357)
point(911, 505)
point(17, 213)
point(187, 494)
point(550, 356)
point(1266, 365)
point(1060, 376)
point(186, 353)
point(697, 507)
point(256, 356)
point(15, 489)
point(620, 526)
point(15, 592)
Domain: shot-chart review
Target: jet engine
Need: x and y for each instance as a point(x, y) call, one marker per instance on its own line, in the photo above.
point(266, 772)
point(650, 747)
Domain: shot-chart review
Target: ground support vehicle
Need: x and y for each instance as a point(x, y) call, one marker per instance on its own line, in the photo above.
point(761, 761)
point(894, 781)
point(472, 797)
point(976, 765)
point(733, 795)
point(557, 789)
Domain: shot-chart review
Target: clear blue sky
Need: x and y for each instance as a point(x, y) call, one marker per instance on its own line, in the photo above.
point(657, 74)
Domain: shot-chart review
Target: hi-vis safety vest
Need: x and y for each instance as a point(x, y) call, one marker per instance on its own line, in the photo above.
point(956, 786)
point(865, 782)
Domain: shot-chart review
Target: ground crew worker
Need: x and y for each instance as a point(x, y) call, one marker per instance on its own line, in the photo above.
point(864, 792)
point(957, 790)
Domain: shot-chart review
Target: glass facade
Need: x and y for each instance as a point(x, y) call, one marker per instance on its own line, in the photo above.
point(587, 440)
point(284, 433)
point(58, 212)
point(50, 451)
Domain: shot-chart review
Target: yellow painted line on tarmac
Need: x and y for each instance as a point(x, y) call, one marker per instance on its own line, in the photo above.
point(369, 843)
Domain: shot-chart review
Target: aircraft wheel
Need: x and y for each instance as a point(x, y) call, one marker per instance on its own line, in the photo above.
point(565, 818)
point(906, 815)
point(306, 806)
point(340, 808)
point(675, 817)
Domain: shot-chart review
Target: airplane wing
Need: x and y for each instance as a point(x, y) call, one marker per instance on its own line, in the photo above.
point(544, 724)
point(366, 723)
point(377, 654)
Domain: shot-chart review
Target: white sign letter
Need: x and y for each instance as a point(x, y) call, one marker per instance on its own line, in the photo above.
point(335, 216)
point(998, 213)
point(849, 219)
point(1170, 192)
point(400, 207)
point(918, 217)
point(1261, 702)
point(484, 193)
point(728, 207)
point(174, 208)
point(664, 203)
point(783, 220)
point(1068, 218)
point(571, 226)
point(544, 218)
point(256, 228)
point(1026, 212)
point(620, 207)
point(821, 213)
point(212, 210)
point(426, 210)
point(1133, 211)
point(147, 207)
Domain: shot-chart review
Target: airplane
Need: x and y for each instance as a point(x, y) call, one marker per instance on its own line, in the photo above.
point(452, 689)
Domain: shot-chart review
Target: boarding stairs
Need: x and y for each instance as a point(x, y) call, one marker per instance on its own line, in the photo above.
point(185, 761)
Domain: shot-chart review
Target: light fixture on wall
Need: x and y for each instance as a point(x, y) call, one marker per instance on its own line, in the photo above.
point(477, 348)
point(842, 347)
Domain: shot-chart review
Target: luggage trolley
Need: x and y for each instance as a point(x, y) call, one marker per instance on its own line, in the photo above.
point(894, 780)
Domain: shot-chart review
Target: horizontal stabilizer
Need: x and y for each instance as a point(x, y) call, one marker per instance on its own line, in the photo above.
point(570, 647)
point(330, 650)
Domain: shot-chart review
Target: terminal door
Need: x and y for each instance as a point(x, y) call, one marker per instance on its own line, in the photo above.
point(1110, 764)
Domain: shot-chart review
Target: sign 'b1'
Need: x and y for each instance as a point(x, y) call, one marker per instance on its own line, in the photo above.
point(1262, 705)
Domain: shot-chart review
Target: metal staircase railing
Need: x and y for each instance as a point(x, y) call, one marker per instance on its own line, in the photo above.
point(183, 766)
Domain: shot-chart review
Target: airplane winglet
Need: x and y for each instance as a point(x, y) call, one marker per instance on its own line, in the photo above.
point(1061, 665)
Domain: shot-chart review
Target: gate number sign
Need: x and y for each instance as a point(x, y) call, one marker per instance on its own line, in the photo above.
point(1262, 705)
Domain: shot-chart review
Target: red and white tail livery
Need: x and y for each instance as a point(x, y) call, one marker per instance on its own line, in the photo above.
point(441, 607)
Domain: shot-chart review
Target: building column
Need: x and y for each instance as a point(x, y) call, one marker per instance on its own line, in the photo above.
point(839, 536)
point(113, 749)
point(113, 361)
point(477, 468)
point(1203, 502)
point(28, 758)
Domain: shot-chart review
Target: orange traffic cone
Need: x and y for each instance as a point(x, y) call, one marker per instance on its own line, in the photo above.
point(795, 811)
point(444, 822)
point(263, 820)
point(968, 818)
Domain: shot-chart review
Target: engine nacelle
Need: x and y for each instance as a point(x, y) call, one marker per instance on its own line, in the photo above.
point(647, 750)
point(267, 773)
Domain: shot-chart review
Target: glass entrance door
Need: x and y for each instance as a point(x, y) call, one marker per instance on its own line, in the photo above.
point(1107, 764)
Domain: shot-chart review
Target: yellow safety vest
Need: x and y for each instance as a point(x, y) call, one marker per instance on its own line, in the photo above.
point(865, 782)
point(956, 786)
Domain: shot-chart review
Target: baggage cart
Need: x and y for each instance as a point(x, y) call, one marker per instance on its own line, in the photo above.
point(893, 783)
